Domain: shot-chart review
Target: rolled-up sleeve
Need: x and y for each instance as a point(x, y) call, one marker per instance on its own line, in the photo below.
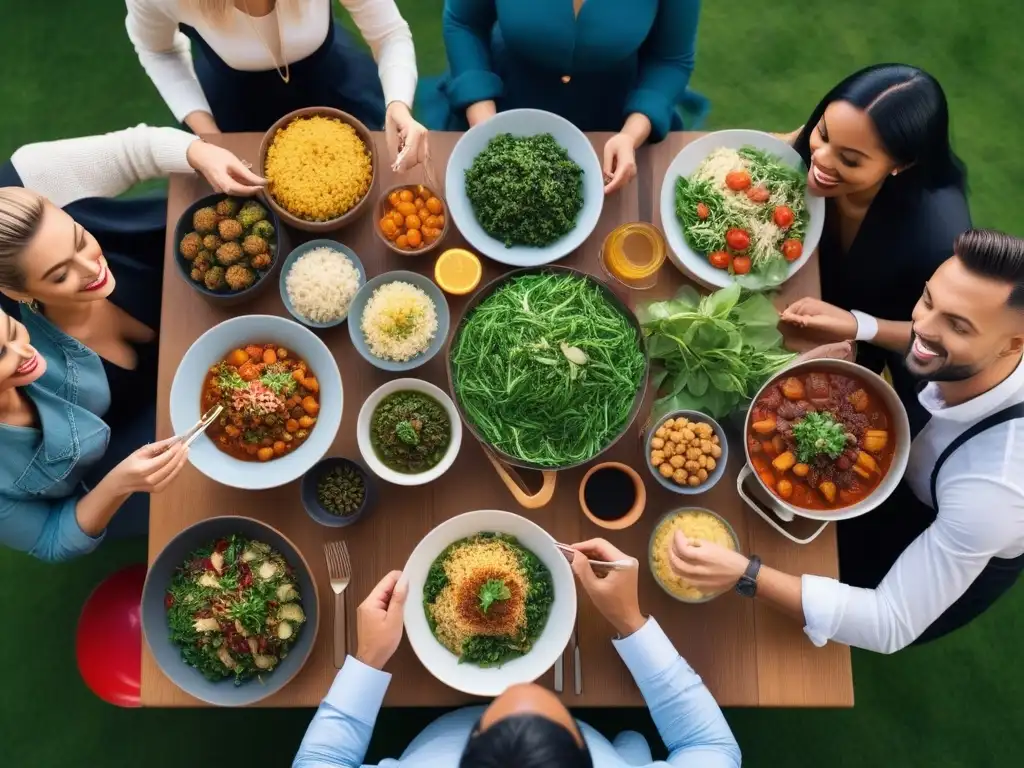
point(977, 517)
point(666, 63)
point(45, 529)
point(467, 26)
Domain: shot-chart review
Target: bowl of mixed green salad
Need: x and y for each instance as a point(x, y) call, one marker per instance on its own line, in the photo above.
point(229, 610)
point(525, 187)
point(735, 208)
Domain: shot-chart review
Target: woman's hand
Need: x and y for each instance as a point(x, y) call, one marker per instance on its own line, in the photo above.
point(615, 595)
point(151, 468)
point(225, 172)
point(405, 137)
point(379, 621)
point(201, 123)
point(481, 111)
point(838, 350)
point(707, 566)
point(824, 319)
point(619, 162)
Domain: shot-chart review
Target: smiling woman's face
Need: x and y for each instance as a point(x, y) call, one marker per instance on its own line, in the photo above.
point(62, 263)
point(20, 364)
point(847, 155)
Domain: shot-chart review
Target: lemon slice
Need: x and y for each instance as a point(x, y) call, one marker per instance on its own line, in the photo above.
point(457, 271)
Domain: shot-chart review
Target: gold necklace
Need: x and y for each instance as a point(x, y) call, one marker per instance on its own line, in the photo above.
point(286, 74)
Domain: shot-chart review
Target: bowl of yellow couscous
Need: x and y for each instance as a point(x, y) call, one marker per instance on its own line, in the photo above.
point(694, 523)
point(320, 167)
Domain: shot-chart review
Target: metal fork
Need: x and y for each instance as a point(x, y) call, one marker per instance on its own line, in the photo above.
point(339, 568)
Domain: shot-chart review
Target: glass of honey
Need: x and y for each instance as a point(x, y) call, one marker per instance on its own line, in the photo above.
point(633, 254)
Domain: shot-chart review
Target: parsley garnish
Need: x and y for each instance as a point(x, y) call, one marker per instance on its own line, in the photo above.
point(278, 382)
point(816, 434)
point(491, 592)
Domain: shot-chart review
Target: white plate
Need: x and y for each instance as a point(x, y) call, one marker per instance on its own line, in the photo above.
point(696, 264)
point(441, 662)
point(524, 122)
point(366, 447)
point(212, 347)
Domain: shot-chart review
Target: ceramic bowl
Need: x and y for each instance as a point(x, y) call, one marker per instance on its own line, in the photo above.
point(634, 512)
point(650, 553)
point(383, 205)
point(713, 477)
point(290, 262)
point(308, 491)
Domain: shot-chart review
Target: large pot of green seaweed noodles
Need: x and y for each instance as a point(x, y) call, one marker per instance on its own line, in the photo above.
point(548, 369)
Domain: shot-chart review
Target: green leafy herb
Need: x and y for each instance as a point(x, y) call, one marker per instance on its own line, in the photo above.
point(547, 369)
point(816, 434)
point(228, 379)
point(251, 436)
point(341, 491)
point(279, 382)
point(713, 353)
point(492, 591)
point(525, 190)
point(490, 651)
point(410, 431)
point(407, 433)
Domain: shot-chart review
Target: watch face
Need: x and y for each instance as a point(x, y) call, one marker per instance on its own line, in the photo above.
point(747, 587)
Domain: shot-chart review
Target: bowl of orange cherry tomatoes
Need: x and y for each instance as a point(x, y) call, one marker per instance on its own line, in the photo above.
point(412, 219)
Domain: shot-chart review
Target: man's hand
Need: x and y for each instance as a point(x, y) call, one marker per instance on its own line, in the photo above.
point(379, 622)
point(616, 595)
point(709, 567)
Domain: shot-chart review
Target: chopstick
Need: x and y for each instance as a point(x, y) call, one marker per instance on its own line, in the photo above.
point(204, 421)
point(608, 565)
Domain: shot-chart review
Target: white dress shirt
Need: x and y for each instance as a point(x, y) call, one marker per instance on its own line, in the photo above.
point(165, 52)
point(980, 493)
point(687, 717)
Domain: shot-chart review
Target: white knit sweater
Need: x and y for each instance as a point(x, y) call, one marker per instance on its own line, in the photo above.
point(101, 166)
point(165, 53)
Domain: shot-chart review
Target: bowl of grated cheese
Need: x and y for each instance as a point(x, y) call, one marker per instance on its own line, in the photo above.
point(319, 281)
point(399, 320)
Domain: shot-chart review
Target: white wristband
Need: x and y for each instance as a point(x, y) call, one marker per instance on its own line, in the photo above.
point(867, 326)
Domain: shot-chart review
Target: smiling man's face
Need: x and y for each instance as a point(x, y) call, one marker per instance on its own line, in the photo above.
point(962, 324)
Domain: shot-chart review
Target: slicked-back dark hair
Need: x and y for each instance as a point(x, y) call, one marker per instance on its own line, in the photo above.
point(525, 741)
point(996, 255)
point(911, 115)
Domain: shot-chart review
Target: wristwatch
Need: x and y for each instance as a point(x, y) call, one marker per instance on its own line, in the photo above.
point(747, 585)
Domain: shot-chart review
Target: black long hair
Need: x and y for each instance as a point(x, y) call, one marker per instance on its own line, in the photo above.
point(910, 113)
point(525, 741)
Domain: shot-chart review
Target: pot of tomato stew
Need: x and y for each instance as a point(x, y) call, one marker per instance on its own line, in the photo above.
point(825, 440)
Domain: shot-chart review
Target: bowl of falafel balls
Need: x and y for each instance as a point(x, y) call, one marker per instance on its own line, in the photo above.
point(227, 247)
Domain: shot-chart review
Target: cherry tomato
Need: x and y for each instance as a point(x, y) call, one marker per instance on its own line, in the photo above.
point(759, 194)
point(737, 239)
point(719, 259)
point(783, 216)
point(702, 211)
point(792, 250)
point(741, 265)
point(737, 181)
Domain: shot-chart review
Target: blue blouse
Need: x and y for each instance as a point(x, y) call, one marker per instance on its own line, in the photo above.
point(613, 59)
point(43, 467)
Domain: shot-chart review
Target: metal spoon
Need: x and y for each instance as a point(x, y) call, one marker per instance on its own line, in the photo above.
point(608, 565)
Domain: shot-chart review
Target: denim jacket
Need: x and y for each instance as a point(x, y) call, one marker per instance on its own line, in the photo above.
point(41, 468)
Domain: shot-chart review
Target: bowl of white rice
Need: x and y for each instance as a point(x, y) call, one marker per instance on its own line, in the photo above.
point(319, 281)
point(399, 320)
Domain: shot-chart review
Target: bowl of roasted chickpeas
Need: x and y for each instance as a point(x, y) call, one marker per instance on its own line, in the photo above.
point(686, 452)
point(412, 219)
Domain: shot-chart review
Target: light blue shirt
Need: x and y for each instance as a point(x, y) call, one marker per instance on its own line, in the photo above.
point(686, 715)
point(41, 468)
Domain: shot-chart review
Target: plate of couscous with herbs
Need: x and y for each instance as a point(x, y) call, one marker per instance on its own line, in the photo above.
point(319, 167)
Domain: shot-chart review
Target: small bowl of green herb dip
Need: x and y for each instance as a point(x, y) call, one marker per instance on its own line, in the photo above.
point(409, 432)
point(337, 491)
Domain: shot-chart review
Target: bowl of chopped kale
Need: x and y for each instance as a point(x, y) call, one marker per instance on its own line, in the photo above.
point(525, 187)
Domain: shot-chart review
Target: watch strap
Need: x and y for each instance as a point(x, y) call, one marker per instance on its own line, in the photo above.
point(747, 585)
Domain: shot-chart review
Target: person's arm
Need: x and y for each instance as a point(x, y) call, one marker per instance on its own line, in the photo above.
point(688, 719)
point(56, 530)
point(390, 40)
point(976, 517)
point(666, 63)
point(466, 26)
point(102, 166)
point(165, 55)
point(343, 724)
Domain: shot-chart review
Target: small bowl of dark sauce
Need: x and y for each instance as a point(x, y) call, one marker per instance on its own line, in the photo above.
point(612, 495)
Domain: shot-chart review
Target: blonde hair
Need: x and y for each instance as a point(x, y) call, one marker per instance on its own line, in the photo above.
point(21, 212)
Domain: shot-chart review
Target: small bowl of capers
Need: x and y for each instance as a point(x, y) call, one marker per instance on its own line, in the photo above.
point(337, 492)
point(686, 452)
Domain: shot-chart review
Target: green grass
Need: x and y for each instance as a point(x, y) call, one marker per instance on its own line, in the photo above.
point(69, 70)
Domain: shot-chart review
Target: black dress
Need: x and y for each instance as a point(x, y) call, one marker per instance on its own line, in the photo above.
point(907, 233)
point(131, 234)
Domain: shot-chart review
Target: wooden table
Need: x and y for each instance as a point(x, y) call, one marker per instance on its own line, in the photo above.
point(747, 654)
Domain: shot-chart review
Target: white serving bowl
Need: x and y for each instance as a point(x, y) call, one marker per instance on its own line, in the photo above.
point(441, 662)
point(212, 347)
point(695, 264)
point(366, 447)
point(524, 122)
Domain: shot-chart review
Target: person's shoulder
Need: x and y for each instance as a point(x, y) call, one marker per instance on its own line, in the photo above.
point(942, 213)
